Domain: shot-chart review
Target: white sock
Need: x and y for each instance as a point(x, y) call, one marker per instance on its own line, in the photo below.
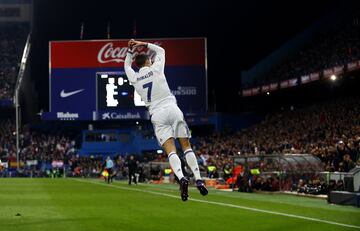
point(175, 164)
point(192, 162)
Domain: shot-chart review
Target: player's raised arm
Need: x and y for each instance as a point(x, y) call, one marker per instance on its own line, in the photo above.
point(130, 73)
point(159, 62)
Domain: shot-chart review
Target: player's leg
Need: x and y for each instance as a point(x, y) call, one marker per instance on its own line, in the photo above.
point(135, 181)
point(130, 175)
point(109, 176)
point(190, 157)
point(164, 134)
point(182, 132)
point(193, 164)
point(175, 163)
point(106, 175)
point(113, 175)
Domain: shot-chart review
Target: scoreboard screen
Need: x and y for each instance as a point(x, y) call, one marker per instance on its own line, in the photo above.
point(115, 91)
point(87, 79)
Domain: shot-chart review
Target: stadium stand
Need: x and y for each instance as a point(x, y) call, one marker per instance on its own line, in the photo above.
point(12, 40)
point(334, 47)
point(329, 131)
point(47, 154)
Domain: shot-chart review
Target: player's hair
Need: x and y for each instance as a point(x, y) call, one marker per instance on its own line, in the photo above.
point(140, 60)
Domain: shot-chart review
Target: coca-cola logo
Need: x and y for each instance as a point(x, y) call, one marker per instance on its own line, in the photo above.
point(108, 53)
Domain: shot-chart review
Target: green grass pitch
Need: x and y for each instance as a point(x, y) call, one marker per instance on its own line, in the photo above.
point(86, 205)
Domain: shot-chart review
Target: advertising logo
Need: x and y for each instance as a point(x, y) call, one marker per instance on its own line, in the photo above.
point(67, 116)
point(108, 53)
point(184, 91)
point(64, 94)
point(120, 116)
point(106, 116)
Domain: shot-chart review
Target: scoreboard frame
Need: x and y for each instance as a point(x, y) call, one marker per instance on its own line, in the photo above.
point(51, 115)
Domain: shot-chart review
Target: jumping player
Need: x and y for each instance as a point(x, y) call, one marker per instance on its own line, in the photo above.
point(168, 120)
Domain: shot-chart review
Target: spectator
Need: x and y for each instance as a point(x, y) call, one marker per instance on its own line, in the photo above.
point(227, 172)
point(348, 163)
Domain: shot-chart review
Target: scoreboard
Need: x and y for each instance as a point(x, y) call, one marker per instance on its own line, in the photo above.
point(115, 91)
point(87, 79)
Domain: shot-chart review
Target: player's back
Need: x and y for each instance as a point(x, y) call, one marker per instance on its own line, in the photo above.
point(150, 82)
point(153, 88)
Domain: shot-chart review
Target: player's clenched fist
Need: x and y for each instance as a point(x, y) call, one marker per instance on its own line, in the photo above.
point(133, 43)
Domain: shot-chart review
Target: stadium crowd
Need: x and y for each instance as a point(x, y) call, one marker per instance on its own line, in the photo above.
point(330, 131)
point(12, 40)
point(337, 46)
point(46, 154)
point(34, 146)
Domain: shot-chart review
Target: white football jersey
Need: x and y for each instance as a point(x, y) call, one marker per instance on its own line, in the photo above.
point(150, 82)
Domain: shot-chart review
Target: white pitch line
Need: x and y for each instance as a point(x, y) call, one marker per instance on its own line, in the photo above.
point(226, 205)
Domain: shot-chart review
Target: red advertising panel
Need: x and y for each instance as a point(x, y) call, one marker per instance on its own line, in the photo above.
point(112, 53)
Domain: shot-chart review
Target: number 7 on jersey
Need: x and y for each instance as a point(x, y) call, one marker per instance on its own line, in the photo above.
point(149, 87)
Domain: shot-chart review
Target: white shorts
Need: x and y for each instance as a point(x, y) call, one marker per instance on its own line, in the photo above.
point(168, 123)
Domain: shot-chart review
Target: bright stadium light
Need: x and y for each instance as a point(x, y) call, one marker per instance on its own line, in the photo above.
point(333, 77)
